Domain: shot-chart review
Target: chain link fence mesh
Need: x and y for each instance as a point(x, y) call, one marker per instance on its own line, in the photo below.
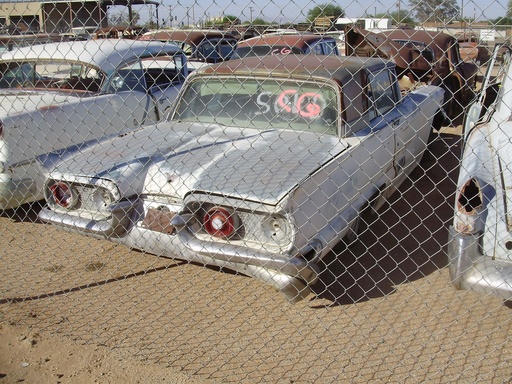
point(382, 306)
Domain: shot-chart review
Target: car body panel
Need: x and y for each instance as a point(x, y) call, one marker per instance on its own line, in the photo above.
point(480, 239)
point(292, 192)
point(48, 114)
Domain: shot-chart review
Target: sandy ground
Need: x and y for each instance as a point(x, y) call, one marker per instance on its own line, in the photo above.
point(78, 310)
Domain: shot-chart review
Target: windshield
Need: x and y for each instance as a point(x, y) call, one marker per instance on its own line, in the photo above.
point(50, 75)
point(261, 104)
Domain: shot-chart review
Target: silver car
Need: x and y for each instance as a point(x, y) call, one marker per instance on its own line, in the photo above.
point(60, 94)
point(480, 240)
point(265, 164)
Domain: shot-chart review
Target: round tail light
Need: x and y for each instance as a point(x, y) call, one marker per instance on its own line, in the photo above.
point(63, 195)
point(220, 222)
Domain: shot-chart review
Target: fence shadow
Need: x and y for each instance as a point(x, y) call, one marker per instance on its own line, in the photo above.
point(26, 213)
point(406, 242)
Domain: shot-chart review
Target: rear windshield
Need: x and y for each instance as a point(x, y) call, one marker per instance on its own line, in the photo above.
point(261, 104)
point(263, 50)
point(49, 74)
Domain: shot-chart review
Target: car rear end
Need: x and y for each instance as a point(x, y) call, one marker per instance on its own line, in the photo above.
point(480, 240)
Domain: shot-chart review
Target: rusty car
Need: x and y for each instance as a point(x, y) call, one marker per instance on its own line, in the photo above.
point(480, 237)
point(264, 165)
point(422, 56)
point(61, 94)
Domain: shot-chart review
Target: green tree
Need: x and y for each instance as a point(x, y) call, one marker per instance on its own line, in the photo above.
point(260, 21)
point(398, 18)
point(441, 11)
point(325, 10)
point(229, 19)
point(502, 21)
point(509, 9)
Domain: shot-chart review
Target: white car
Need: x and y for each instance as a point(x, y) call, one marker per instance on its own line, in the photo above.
point(265, 164)
point(480, 240)
point(56, 95)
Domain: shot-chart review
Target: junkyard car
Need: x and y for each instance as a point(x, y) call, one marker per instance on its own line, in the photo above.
point(480, 241)
point(424, 56)
point(10, 42)
point(264, 165)
point(60, 94)
point(201, 46)
point(280, 44)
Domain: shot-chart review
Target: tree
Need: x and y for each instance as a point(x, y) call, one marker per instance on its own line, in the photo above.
point(229, 19)
point(502, 21)
point(404, 17)
point(441, 11)
point(260, 21)
point(325, 10)
point(509, 9)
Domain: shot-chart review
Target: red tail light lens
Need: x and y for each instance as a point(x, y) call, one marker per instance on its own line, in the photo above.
point(220, 222)
point(63, 195)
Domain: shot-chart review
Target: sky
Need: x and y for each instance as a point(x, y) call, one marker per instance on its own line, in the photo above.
point(282, 11)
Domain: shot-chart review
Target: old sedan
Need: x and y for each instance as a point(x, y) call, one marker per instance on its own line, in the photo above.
point(424, 56)
point(265, 164)
point(56, 95)
point(282, 44)
point(202, 47)
point(480, 240)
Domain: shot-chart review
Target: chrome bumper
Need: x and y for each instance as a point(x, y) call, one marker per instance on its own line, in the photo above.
point(469, 269)
point(291, 276)
point(118, 218)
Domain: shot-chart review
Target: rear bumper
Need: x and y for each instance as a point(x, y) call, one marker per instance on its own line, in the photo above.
point(470, 269)
point(292, 276)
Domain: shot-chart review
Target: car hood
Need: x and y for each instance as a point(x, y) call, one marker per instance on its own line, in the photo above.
point(17, 102)
point(176, 158)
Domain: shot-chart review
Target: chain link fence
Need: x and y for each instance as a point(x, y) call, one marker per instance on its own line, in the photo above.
point(288, 219)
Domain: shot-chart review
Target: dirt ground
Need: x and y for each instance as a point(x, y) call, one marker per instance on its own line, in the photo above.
point(79, 310)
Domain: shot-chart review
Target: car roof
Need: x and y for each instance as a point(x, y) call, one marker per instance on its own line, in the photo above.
point(302, 67)
point(438, 41)
point(106, 54)
point(193, 37)
point(295, 40)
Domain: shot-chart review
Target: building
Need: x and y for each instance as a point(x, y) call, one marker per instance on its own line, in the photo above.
point(60, 16)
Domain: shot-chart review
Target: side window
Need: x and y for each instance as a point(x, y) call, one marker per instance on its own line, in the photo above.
point(356, 112)
point(129, 77)
point(382, 91)
point(331, 48)
point(226, 49)
point(207, 51)
point(317, 49)
point(17, 75)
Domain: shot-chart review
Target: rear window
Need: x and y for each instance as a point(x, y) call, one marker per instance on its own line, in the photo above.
point(261, 104)
point(263, 50)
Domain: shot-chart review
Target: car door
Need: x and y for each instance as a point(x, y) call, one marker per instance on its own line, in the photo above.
point(405, 121)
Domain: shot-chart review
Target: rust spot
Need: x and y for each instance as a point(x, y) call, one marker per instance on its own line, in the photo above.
point(470, 197)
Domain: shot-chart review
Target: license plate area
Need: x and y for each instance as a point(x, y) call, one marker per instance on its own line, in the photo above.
point(159, 220)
